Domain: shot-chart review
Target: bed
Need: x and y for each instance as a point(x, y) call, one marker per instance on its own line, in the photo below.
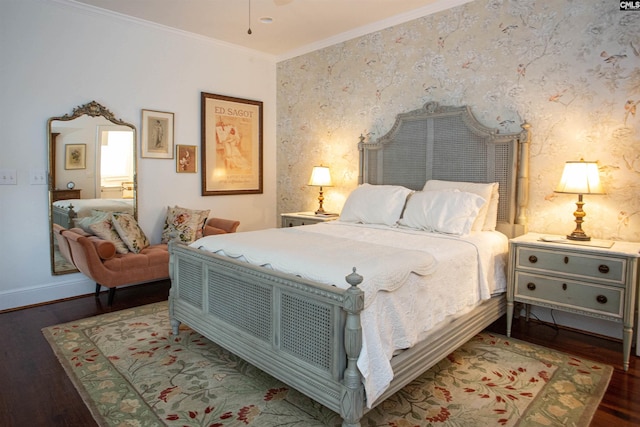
point(66, 211)
point(311, 332)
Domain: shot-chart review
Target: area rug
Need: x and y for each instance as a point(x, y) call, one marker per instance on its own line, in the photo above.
point(130, 371)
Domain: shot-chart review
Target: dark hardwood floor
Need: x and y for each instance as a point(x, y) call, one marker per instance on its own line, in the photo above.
point(35, 391)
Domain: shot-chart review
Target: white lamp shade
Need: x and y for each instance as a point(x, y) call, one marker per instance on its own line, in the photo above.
point(580, 178)
point(320, 177)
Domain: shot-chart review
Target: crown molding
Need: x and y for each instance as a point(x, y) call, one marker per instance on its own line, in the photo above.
point(430, 9)
point(83, 7)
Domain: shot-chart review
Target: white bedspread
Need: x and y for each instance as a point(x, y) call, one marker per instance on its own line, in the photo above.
point(324, 258)
point(454, 275)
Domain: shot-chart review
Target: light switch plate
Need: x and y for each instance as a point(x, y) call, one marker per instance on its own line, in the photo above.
point(8, 177)
point(38, 177)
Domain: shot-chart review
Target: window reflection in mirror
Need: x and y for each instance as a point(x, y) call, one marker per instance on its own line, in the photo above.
point(116, 163)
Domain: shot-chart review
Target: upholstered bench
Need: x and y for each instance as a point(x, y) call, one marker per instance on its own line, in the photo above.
point(97, 258)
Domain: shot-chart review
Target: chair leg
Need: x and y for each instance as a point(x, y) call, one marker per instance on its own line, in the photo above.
point(112, 293)
point(98, 289)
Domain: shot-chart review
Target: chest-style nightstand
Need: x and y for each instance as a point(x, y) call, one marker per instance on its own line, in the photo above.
point(597, 279)
point(295, 219)
point(66, 194)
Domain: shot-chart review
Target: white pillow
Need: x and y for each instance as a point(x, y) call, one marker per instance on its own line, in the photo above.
point(446, 211)
point(488, 216)
point(375, 204)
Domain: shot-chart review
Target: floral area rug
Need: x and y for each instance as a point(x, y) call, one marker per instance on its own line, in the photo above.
point(130, 371)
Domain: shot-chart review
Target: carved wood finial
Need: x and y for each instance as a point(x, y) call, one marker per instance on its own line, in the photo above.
point(354, 279)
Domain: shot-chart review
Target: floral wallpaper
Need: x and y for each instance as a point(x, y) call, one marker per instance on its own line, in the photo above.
point(571, 69)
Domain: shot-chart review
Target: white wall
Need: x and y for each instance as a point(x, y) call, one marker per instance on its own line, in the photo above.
point(54, 57)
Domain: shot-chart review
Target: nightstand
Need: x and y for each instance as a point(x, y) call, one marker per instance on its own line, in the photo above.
point(66, 194)
point(295, 219)
point(596, 279)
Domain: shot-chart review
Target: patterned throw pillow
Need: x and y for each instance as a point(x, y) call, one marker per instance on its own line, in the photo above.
point(96, 216)
point(105, 230)
point(183, 225)
point(130, 232)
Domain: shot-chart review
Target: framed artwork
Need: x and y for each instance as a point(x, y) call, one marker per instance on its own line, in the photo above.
point(231, 147)
point(157, 135)
point(186, 159)
point(75, 156)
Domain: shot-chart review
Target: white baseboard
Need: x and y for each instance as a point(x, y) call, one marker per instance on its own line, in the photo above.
point(79, 285)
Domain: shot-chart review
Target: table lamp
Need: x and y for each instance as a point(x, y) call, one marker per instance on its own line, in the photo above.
point(580, 177)
point(320, 177)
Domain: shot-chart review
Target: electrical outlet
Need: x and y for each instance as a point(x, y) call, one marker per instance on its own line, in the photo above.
point(38, 177)
point(8, 177)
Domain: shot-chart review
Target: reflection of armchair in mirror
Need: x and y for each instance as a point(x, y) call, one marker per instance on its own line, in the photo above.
point(92, 165)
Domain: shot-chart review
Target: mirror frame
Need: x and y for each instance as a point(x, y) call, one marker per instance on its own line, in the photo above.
point(92, 109)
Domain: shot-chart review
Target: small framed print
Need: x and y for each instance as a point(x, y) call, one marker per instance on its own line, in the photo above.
point(186, 159)
point(75, 156)
point(157, 135)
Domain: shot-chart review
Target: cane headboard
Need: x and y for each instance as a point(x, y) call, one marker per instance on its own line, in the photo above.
point(448, 143)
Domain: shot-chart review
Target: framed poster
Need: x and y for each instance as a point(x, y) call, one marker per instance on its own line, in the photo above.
point(75, 156)
point(231, 148)
point(186, 159)
point(157, 135)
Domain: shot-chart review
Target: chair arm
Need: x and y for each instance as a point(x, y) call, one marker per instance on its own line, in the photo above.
point(105, 249)
point(220, 226)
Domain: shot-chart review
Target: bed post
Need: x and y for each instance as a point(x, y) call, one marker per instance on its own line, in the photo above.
point(352, 396)
point(175, 324)
point(361, 159)
point(523, 176)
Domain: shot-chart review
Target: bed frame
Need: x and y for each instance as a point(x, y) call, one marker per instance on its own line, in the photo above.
point(64, 216)
point(309, 335)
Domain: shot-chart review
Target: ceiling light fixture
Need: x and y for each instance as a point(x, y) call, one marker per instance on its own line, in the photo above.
point(249, 30)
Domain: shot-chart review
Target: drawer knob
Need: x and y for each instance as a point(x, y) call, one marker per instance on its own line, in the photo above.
point(566, 260)
point(533, 259)
point(531, 286)
point(604, 269)
point(601, 299)
point(564, 286)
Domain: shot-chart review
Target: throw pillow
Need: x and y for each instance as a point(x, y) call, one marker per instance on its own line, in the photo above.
point(446, 211)
point(105, 230)
point(96, 216)
point(183, 225)
point(375, 204)
point(129, 231)
point(487, 217)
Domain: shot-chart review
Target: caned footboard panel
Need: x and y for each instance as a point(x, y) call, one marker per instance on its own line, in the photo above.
point(63, 216)
point(289, 327)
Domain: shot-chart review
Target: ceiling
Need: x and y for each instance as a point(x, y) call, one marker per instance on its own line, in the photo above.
point(298, 26)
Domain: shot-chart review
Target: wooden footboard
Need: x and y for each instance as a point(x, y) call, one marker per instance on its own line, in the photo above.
point(305, 334)
point(63, 216)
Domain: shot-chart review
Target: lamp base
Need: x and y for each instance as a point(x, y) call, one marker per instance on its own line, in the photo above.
point(320, 200)
point(578, 235)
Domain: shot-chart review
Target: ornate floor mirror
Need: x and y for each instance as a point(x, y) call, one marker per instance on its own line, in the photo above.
point(92, 166)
